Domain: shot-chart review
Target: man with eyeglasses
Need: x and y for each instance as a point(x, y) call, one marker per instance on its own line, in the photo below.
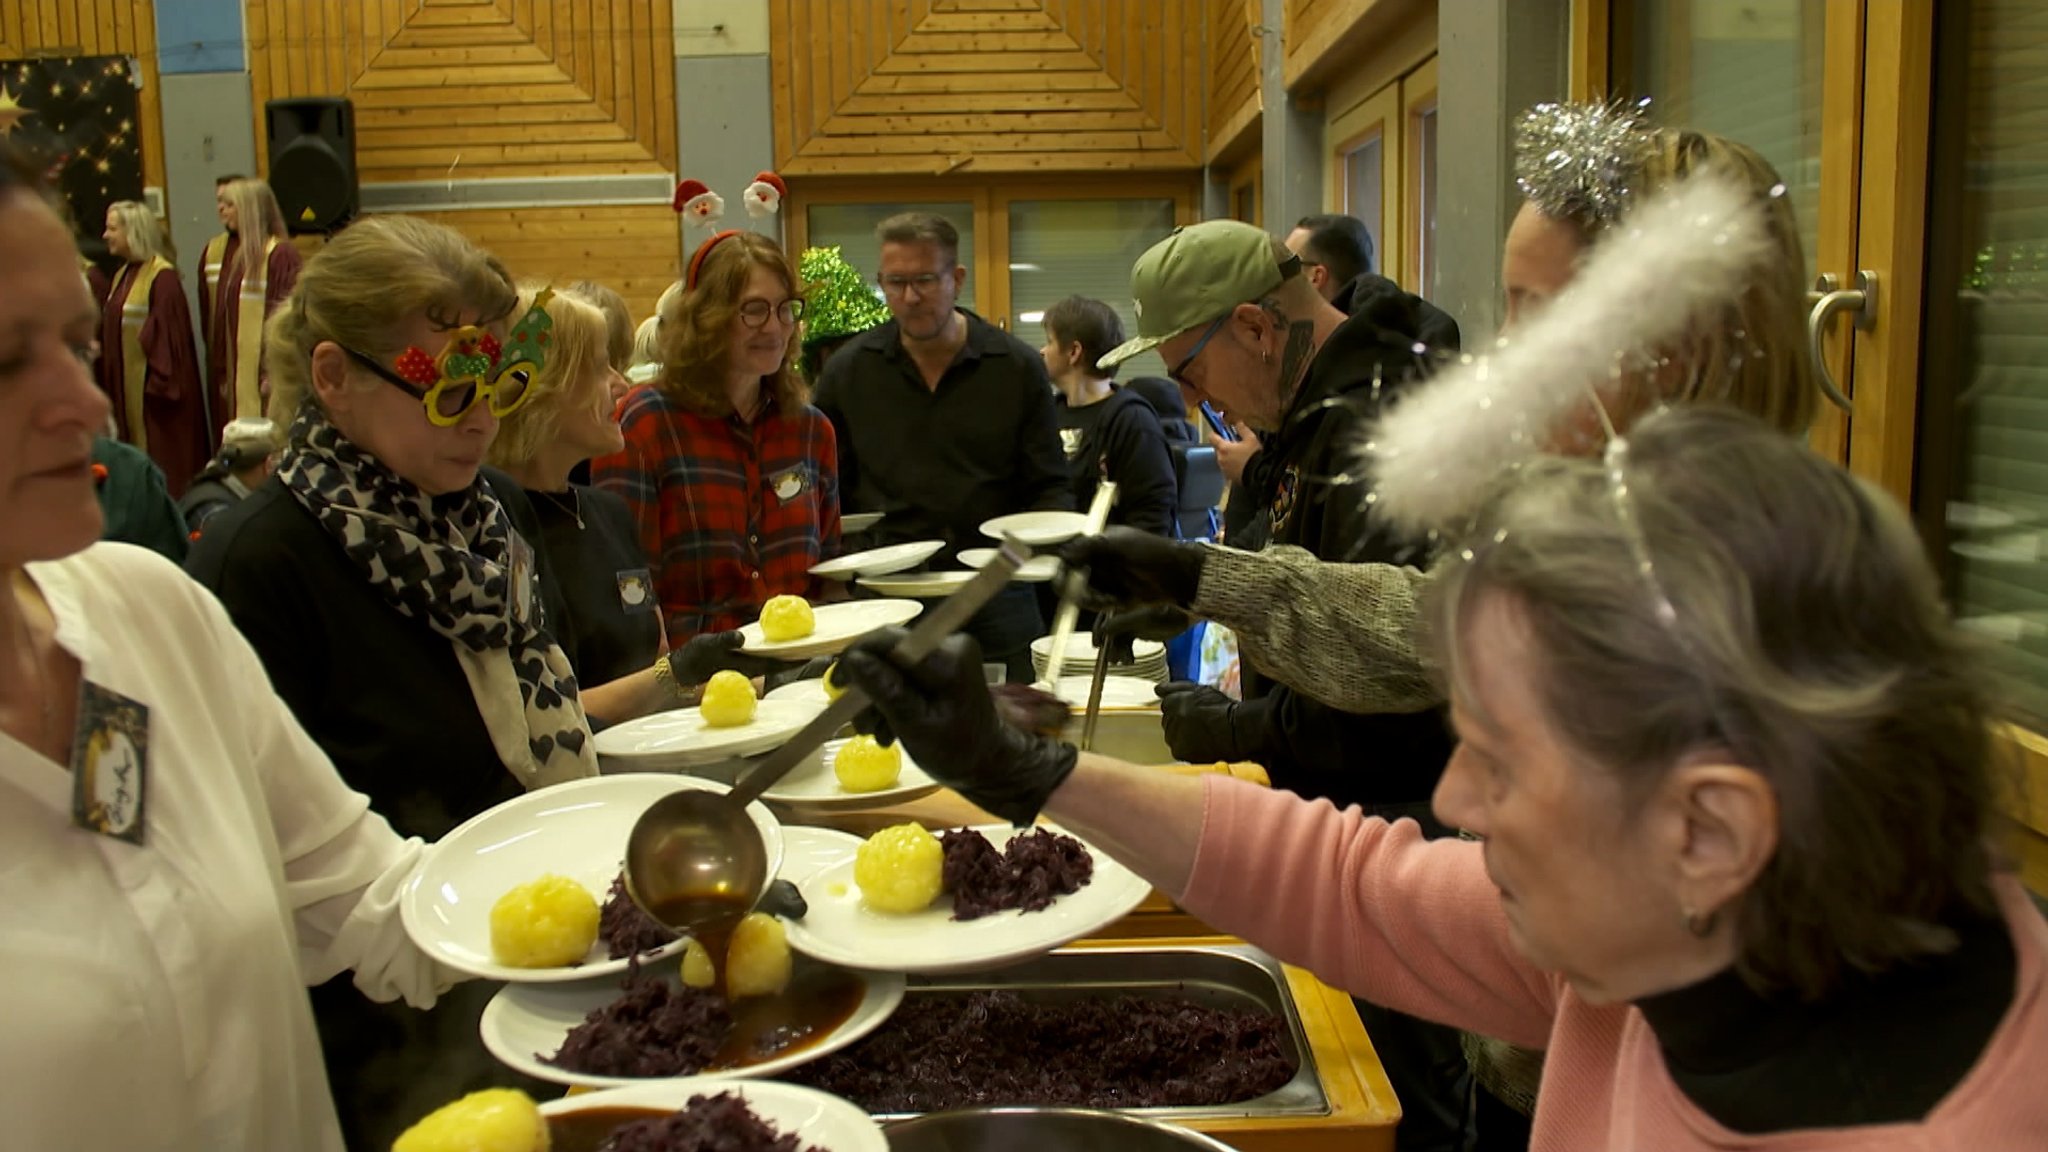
point(945, 421)
point(1230, 308)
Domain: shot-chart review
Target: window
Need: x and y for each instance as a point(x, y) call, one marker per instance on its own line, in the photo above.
point(1425, 201)
point(852, 228)
point(1983, 430)
point(1061, 248)
point(1364, 173)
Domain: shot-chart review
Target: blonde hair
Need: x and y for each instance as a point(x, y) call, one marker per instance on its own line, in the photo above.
point(1755, 358)
point(145, 233)
point(257, 218)
point(696, 328)
point(365, 284)
point(618, 320)
point(647, 337)
point(576, 352)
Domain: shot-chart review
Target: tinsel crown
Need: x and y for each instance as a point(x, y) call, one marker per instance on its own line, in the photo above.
point(840, 302)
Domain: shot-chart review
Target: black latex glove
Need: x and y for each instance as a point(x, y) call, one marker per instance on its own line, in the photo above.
point(1126, 568)
point(942, 712)
point(700, 656)
point(1159, 623)
point(1198, 721)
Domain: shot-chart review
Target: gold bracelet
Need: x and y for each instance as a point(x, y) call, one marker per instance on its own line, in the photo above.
point(665, 676)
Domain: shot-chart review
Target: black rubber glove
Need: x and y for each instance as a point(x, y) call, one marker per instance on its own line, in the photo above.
point(1159, 623)
point(1126, 568)
point(791, 673)
point(942, 712)
point(1198, 721)
point(700, 656)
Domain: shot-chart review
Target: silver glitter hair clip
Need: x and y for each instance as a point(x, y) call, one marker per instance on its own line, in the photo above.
point(1581, 161)
point(1616, 459)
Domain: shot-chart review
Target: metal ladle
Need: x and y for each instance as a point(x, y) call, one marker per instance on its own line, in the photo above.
point(695, 861)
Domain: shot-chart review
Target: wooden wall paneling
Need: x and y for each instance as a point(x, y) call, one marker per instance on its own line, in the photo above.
point(1324, 37)
point(982, 84)
point(1234, 96)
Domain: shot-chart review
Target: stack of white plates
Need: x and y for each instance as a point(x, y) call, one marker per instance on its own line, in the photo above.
point(1080, 658)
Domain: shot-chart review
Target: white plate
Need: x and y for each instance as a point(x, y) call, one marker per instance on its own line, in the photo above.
point(1117, 692)
point(840, 930)
point(523, 1022)
point(807, 851)
point(817, 1119)
point(1038, 528)
point(811, 691)
point(578, 830)
point(879, 561)
point(681, 739)
point(812, 784)
point(1036, 570)
point(852, 522)
point(838, 626)
point(923, 585)
point(1081, 649)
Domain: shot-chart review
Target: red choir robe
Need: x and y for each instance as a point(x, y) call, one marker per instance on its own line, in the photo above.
point(220, 306)
point(168, 418)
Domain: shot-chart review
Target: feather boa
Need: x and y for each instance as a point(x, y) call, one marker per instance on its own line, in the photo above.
point(1671, 266)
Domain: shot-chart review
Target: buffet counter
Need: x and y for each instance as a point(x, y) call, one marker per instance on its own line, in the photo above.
point(1341, 1098)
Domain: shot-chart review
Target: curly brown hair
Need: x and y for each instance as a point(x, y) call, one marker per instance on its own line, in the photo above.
point(695, 328)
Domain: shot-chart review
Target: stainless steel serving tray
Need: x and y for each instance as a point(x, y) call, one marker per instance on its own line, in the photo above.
point(1217, 975)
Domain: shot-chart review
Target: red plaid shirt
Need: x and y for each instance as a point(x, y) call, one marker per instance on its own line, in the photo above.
point(730, 514)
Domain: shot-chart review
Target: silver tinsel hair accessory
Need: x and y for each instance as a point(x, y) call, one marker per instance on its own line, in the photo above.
point(1580, 161)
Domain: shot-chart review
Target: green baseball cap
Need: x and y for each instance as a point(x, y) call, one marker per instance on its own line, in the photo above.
point(1197, 274)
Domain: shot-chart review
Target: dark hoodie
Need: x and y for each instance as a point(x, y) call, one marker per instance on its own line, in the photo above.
point(1310, 748)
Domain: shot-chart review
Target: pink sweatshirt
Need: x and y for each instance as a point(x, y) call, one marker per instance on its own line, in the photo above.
point(1417, 926)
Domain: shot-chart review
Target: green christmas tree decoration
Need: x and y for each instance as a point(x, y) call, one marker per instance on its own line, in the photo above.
point(840, 302)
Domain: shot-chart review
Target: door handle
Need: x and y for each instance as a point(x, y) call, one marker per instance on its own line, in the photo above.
point(1825, 300)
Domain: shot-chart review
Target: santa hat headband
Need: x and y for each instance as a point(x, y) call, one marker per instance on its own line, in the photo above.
point(695, 200)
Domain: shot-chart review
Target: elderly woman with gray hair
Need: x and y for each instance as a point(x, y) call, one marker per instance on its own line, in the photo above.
point(1735, 866)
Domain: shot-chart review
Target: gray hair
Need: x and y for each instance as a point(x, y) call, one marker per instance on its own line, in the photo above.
point(1786, 616)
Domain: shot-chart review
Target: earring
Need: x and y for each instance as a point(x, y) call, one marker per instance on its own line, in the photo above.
point(1700, 924)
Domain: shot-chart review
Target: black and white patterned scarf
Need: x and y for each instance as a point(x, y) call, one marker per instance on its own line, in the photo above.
point(449, 560)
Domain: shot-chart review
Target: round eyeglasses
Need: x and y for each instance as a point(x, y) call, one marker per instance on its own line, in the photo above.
point(755, 313)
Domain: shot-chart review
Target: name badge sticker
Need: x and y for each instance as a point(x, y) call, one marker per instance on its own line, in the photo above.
point(636, 591)
point(790, 484)
point(522, 575)
point(110, 764)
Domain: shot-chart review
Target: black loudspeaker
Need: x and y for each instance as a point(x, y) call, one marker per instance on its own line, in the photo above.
point(313, 161)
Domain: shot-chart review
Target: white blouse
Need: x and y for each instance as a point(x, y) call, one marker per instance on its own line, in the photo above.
point(153, 997)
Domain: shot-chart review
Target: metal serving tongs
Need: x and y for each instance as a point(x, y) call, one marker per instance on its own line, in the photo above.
point(694, 856)
point(1071, 588)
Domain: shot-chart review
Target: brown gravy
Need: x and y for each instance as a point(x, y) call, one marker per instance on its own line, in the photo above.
point(587, 1131)
point(818, 1000)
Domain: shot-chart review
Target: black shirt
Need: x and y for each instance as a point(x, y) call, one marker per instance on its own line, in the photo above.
point(1881, 1049)
point(1389, 759)
point(1119, 438)
point(940, 461)
point(381, 692)
point(607, 621)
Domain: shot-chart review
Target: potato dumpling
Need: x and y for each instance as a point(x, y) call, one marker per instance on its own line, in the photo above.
point(758, 962)
point(697, 969)
point(493, 1120)
point(787, 618)
point(864, 765)
point(547, 923)
point(900, 869)
point(728, 700)
point(833, 688)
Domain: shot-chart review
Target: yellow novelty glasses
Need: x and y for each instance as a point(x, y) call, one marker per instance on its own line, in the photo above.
point(473, 366)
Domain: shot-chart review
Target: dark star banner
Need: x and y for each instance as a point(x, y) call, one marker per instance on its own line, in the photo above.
point(78, 119)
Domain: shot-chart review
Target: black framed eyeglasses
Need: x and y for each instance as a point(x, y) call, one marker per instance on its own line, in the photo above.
point(1174, 373)
point(755, 313)
point(448, 401)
